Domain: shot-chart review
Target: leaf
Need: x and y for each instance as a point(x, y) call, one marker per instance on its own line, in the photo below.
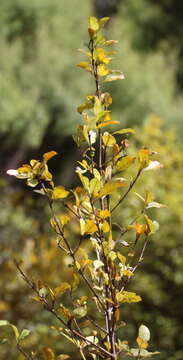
point(144, 333)
point(112, 122)
point(125, 163)
point(61, 289)
point(127, 297)
point(139, 228)
point(93, 23)
point(63, 357)
point(65, 312)
point(102, 70)
point(142, 344)
point(114, 75)
point(14, 328)
point(103, 214)
point(153, 226)
point(142, 353)
point(48, 353)
point(124, 131)
point(105, 227)
point(80, 311)
point(24, 334)
point(86, 66)
point(108, 139)
point(59, 192)
point(64, 219)
point(97, 264)
point(153, 165)
point(155, 204)
point(110, 187)
point(47, 156)
point(90, 227)
point(95, 186)
point(143, 157)
point(103, 21)
point(122, 258)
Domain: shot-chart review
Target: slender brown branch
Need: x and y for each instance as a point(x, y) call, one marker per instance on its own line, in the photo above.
point(127, 192)
point(23, 352)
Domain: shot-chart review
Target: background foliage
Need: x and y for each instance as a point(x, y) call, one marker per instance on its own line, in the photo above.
point(40, 88)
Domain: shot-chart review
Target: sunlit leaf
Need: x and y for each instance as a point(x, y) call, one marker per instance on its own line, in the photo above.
point(47, 156)
point(110, 187)
point(103, 124)
point(144, 333)
point(114, 75)
point(153, 165)
point(80, 311)
point(23, 334)
point(103, 21)
point(108, 139)
point(85, 65)
point(124, 131)
point(102, 70)
point(142, 353)
point(127, 297)
point(142, 344)
point(103, 214)
point(125, 163)
point(90, 227)
point(59, 192)
point(97, 264)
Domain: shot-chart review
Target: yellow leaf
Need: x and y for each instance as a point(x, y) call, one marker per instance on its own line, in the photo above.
point(103, 21)
point(59, 192)
point(64, 219)
point(85, 65)
point(90, 227)
point(47, 156)
point(93, 26)
point(103, 214)
point(105, 227)
point(125, 163)
point(110, 187)
point(143, 157)
point(127, 297)
point(141, 343)
point(122, 258)
point(61, 289)
point(124, 131)
point(108, 139)
point(102, 70)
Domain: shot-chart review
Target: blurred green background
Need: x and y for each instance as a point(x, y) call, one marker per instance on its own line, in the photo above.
point(40, 88)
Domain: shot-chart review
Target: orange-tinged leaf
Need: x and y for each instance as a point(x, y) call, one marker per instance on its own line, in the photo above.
point(47, 156)
point(139, 228)
point(107, 123)
point(59, 192)
point(141, 343)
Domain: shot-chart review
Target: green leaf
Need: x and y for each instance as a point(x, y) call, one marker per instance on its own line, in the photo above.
point(24, 334)
point(14, 328)
point(80, 311)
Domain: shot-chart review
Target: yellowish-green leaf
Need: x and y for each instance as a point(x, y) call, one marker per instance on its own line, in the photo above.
point(59, 192)
point(61, 289)
point(80, 311)
point(95, 186)
point(103, 21)
point(124, 131)
point(127, 297)
point(122, 258)
point(110, 187)
point(108, 139)
point(125, 163)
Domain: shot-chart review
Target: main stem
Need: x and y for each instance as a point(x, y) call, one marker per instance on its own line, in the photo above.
point(109, 311)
